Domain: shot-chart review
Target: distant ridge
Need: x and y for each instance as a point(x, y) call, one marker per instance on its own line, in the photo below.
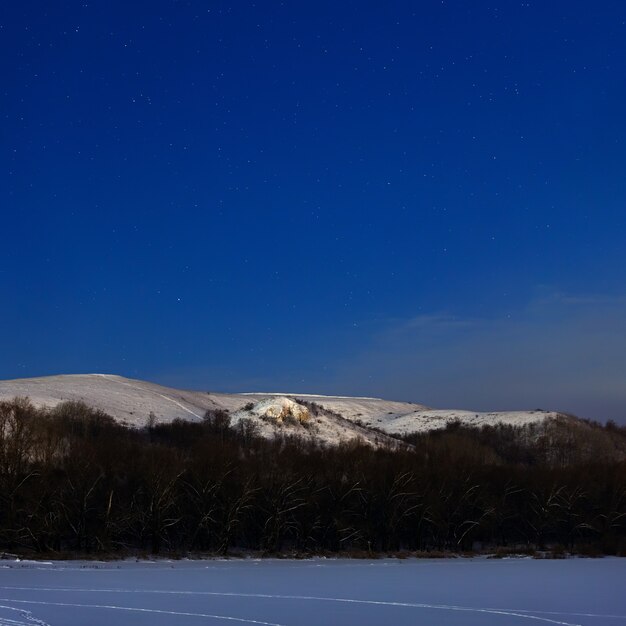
point(333, 418)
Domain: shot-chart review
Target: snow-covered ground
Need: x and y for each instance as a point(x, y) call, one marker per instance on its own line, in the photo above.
point(133, 401)
point(450, 592)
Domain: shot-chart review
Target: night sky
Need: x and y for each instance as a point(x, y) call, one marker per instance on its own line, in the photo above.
point(417, 200)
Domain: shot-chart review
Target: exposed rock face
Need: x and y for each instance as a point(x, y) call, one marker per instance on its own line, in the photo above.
point(281, 409)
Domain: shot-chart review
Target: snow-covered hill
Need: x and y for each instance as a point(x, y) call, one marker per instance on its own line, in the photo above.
point(327, 418)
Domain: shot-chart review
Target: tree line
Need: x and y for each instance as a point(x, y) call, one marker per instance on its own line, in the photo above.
point(74, 480)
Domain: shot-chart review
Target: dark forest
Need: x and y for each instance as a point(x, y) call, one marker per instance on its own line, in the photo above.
point(73, 481)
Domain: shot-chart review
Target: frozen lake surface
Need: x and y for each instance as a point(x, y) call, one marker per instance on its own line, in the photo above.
point(316, 592)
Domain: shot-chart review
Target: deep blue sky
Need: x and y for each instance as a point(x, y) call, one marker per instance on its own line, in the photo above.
point(421, 200)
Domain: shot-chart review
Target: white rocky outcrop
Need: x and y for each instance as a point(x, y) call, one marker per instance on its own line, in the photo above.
point(280, 409)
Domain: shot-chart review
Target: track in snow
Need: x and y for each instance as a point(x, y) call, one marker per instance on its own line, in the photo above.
point(454, 592)
point(523, 614)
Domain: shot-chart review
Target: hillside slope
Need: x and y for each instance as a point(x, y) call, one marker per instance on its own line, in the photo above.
point(332, 418)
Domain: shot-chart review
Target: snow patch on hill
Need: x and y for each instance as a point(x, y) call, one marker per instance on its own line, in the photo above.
point(433, 419)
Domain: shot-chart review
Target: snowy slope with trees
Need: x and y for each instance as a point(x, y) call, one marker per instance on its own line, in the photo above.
point(331, 419)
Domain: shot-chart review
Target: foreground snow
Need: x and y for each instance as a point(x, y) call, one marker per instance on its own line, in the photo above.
point(306, 593)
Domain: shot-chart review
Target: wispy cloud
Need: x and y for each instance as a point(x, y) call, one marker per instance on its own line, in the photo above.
point(560, 351)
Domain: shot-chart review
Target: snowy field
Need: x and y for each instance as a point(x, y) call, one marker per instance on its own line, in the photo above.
point(317, 592)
